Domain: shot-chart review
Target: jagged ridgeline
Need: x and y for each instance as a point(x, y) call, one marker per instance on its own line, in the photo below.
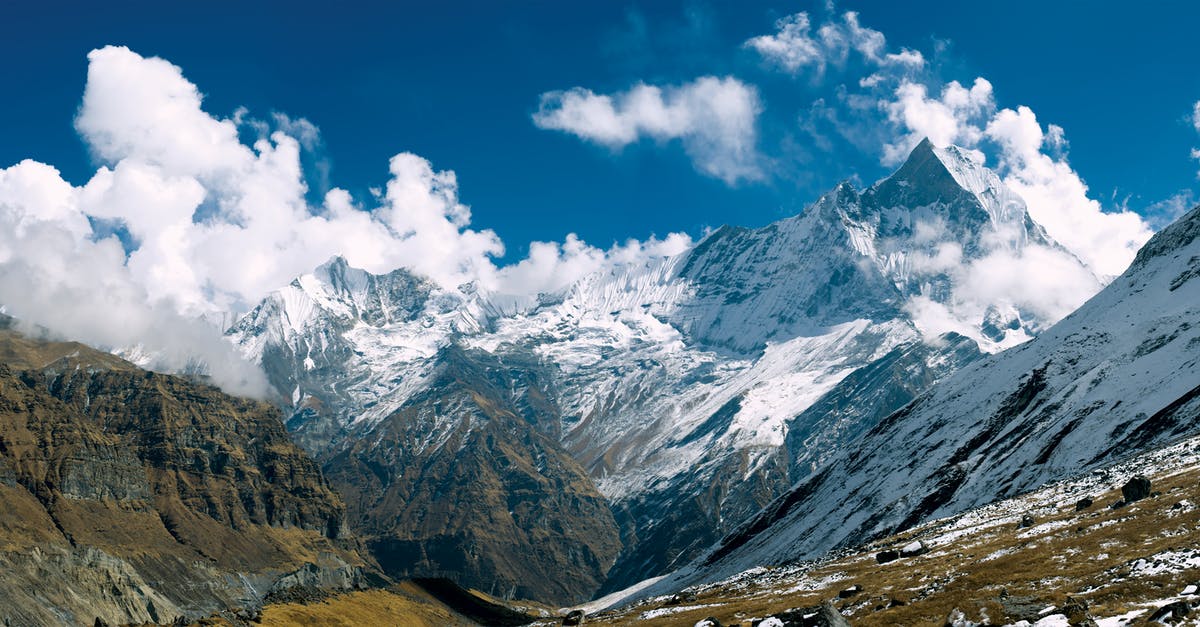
point(483, 436)
point(133, 497)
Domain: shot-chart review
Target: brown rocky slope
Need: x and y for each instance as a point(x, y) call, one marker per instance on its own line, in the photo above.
point(132, 496)
point(461, 483)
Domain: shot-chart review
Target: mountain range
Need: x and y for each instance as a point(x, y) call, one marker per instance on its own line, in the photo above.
point(616, 429)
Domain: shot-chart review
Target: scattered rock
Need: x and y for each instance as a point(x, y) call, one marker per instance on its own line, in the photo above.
point(1084, 503)
point(1027, 520)
point(1171, 612)
point(575, 617)
point(824, 615)
point(682, 597)
point(1076, 611)
point(956, 618)
point(914, 549)
point(1136, 489)
point(1020, 608)
point(884, 557)
point(828, 616)
point(849, 592)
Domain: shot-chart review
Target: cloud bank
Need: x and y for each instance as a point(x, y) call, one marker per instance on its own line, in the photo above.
point(714, 118)
point(183, 222)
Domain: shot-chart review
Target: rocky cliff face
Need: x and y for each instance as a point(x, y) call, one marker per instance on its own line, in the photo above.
point(132, 496)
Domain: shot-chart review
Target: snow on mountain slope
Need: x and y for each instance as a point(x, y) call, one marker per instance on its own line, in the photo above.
point(1117, 377)
point(683, 385)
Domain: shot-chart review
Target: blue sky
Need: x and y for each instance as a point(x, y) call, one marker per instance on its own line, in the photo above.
point(457, 83)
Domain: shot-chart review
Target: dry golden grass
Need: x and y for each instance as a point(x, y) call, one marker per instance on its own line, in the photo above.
point(1066, 553)
point(404, 605)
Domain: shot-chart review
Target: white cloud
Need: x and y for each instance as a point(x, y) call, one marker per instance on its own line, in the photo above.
point(551, 266)
point(1165, 211)
point(1030, 160)
point(714, 118)
point(794, 46)
point(1058, 198)
point(53, 275)
point(214, 224)
point(1008, 273)
point(951, 118)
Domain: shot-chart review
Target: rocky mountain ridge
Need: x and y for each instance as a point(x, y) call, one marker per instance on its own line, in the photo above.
point(132, 496)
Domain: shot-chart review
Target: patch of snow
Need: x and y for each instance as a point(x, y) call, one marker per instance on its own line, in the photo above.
point(667, 611)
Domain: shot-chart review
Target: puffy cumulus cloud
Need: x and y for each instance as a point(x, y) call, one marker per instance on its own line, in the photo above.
point(551, 267)
point(714, 118)
point(54, 277)
point(1058, 198)
point(1031, 160)
point(794, 46)
point(210, 224)
point(218, 223)
point(952, 117)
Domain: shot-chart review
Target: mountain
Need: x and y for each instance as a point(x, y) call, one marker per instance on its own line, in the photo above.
point(692, 390)
point(1115, 378)
point(131, 496)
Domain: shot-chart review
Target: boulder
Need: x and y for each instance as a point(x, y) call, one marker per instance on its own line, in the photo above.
point(824, 615)
point(709, 622)
point(884, 557)
point(574, 617)
point(1083, 503)
point(1171, 613)
point(1076, 611)
point(1027, 520)
point(1136, 489)
point(828, 616)
point(914, 549)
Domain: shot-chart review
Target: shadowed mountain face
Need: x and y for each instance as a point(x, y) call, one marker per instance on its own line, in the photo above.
point(132, 496)
point(692, 390)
